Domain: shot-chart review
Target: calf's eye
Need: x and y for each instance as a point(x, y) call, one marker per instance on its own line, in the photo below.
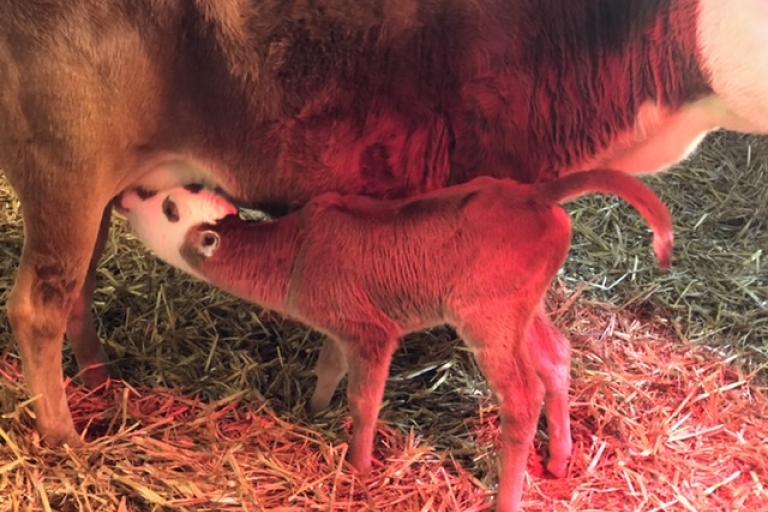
point(170, 210)
point(209, 242)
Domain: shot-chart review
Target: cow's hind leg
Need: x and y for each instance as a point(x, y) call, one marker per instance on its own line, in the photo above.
point(61, 226)
point(81, 327)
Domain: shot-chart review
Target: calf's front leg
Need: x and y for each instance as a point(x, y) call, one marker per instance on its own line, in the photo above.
point(330, 369)
point(369, 358)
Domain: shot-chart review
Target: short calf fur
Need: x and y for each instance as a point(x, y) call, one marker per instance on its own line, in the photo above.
point(478, 256)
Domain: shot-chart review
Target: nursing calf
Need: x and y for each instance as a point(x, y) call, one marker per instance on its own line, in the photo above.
point(478, 257)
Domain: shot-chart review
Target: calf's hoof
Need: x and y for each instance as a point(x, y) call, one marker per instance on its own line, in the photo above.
point(558, 467)
point(507, 506)
point(316, 406)
point(56, 437)
point(361, 463)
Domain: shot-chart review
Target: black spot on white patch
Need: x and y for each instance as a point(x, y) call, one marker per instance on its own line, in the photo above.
point(194, 187)
point(144, 193)
point(170, 210)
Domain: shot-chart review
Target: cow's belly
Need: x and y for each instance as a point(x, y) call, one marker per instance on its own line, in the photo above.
point(659, 139)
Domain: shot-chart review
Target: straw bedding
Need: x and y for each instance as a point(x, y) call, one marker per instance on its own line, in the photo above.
point(669, 407)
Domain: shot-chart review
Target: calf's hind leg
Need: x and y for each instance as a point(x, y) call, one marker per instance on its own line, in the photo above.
point(502, 354)
point(551, 352)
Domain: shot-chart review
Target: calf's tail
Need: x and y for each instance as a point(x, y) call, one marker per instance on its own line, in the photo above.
point(628, 188)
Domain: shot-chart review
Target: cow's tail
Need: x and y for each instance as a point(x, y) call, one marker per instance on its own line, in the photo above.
point(628, 188)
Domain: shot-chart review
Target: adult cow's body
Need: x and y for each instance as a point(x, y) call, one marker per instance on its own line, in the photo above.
point(278, 101)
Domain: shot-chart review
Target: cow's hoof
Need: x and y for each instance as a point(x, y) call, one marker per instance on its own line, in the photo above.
point(94, 376)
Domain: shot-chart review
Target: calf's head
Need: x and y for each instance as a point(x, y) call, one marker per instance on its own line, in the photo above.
point(162, 220)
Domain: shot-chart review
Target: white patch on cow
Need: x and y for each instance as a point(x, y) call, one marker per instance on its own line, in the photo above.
point(733, 40)
point(165, 172)
point(164, 237)
point(659, 138)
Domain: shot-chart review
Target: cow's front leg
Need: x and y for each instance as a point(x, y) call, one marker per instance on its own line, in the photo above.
point(60, 233)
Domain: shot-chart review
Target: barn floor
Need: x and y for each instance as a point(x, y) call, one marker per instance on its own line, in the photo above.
point(669, 404)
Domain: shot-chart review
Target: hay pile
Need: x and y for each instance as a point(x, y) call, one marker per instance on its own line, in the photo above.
point(717, 291)
point(213, 413)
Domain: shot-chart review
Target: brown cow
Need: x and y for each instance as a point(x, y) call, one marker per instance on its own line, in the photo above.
point(365, 272)
point(276, 101)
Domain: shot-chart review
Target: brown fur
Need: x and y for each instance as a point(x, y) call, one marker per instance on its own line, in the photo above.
point(478, 257)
